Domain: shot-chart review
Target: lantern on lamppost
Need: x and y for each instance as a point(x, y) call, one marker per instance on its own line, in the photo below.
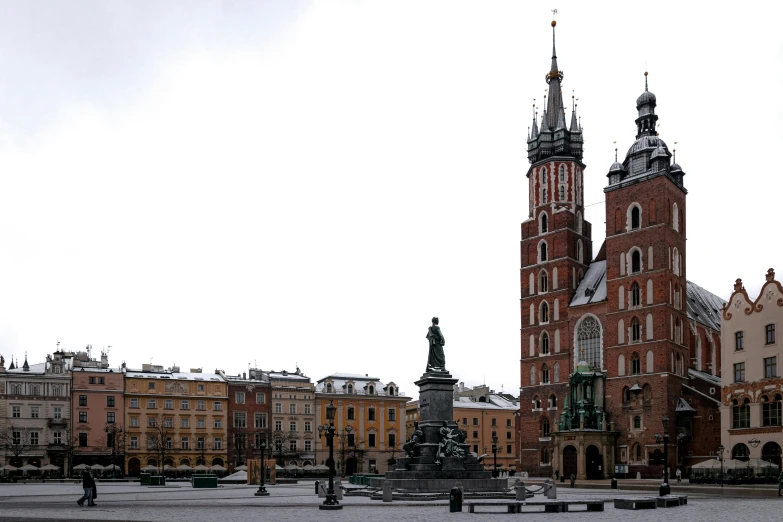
point(331, 498)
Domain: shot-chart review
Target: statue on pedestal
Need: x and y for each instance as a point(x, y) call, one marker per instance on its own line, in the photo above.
point(449, 442)
point(436, 360)
point(416, 438)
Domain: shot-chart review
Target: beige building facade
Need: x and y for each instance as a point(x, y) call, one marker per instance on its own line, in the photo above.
point(752, 388)
point(293, 422)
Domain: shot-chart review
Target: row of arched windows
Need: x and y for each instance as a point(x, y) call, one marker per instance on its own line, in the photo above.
point(635, 295)
point(544, 375)
point(634, 332)
point(633, 217)
point(551, 402)
point(561, 184)
point(771, 406)
point(543, 222)
point(546, 343)
point(634, 365)
point(544, 312)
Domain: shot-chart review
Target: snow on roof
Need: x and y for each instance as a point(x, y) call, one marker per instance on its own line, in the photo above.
point(288, 375)
point(349, 376)
point(704, 306)
point(38, 369)
point(592, 287)
point(134, 374)
point(712, 379)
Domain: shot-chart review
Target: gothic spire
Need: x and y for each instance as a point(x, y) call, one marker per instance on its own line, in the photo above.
point(534, 132)
point(555, 76)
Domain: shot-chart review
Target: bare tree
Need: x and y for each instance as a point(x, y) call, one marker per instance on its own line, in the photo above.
point(113, 439)
point(15, 440)
point(160, 439)
point(282, 446)
point(238, 444)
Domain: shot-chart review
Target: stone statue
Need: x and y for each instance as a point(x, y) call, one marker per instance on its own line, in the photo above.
point(416, 438)
point(2, 361)
point(449, 442)
point(436, 361)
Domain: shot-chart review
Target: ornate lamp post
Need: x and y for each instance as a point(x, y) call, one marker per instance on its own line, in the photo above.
point(331, 498)
point(721, 449)
point(262, 492)
point(494, 456)
point(665, 489)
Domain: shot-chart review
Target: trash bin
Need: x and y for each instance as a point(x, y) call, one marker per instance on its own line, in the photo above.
point(455, 500)
point(158, 480)
point(205, 481)
point(562, 479)
point(144, 479)
point(614, 483)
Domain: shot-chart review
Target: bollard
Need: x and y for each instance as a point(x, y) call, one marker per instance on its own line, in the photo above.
point(316, 487)
point(455, 500)
point(550, 490)
point(562, 479)
point(521, 492)
point(553, 491)
point(614, 483)
point(387, 491)
point(573, 479)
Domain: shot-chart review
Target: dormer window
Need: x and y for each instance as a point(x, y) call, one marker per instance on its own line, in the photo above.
point(328, 387)
point(391, 390)
point(371, 390)
point(350, 388)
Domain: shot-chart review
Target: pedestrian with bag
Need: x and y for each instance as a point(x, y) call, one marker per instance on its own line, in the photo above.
point(88, 484)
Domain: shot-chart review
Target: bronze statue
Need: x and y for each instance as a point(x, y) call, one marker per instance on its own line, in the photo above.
point(416, 438)
point(436, 361)
point(448, 446)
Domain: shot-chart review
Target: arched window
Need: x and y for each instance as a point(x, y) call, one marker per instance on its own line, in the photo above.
point(740, 452)
point(545, 427)
point(578, 222)
point(532, 376)
point(647, 394)
point(371, 390)
point(636, 295)
point(637, 422)
point(771, 411)
point(391, 390)
point(620, 332)
point(536, 403)
point(637, 452)
point(650, 361)
point(579, 251)
point(544, 223)
point(626, 395)
point(544, 343)
point(562, 192)
point(649, 292)
point(350, 388)
point(328, 387)
point(532, 314)
point(636, 261)
point(636, 330)
point(675, 218)
point(649, 327)
point(543, 175)
point(545, 374)
point(557, 367)
point(544, 314)
point(621, 365)
point(588, 342)
point(676, 261)
point(543, 185)
point(636, 364)
point(553, 401)
point(740, 413)
point(543, 281)
point(542, 252)
point(562, 173)
point(545, 456)
point(636, 218)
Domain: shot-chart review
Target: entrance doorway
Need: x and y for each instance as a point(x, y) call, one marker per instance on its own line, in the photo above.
point(350, 466)
point(569, 462)
point(593, 463)
point(771, 453)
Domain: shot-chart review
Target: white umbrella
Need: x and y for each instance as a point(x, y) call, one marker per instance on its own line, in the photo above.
point(292, 466)
point(112, 467)
point(241, 468)
point(201, 467)
point(321, 467)
point(50, 467)
point(278, 466)
point(184, 467)
point(96, 467)
point(308, 467)
point(9, 467)
point(81, 467)
point(148, 467)
point(29, 467)
point(217, 467)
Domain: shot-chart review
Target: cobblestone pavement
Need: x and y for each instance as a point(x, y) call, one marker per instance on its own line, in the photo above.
point(296, 503)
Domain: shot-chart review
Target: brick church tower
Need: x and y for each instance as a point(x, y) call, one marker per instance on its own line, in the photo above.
point(611, 345)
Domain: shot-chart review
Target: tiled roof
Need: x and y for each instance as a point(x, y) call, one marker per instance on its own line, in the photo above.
point(592, 287)
point(704, 306)
point(712, 379)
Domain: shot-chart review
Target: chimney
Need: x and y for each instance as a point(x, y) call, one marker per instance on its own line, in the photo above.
point(244, 376)
point(145, 367)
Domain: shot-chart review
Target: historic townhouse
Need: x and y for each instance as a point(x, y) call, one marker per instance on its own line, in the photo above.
point(614, 342)
point(97, 408)
point(248, 416)
point(173, 418)
point(752, 386)
point(369, 422)
point(35, 413)
point(293, 418)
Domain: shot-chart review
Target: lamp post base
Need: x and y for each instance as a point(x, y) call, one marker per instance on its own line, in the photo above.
point(664, 489)
point(262, 492)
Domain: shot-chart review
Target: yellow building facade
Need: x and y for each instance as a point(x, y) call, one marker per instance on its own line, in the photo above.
point(175, 419)
point(369, 422)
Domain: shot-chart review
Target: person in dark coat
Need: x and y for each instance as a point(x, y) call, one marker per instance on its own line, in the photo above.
point(89, 487)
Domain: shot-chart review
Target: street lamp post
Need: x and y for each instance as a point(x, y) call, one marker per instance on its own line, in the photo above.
point(494, 456)
point(331, 498)
point(262, 492)
point(665, 489)
point(720, 457)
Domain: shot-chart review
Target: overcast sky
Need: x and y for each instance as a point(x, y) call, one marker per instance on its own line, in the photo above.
point(217, 184)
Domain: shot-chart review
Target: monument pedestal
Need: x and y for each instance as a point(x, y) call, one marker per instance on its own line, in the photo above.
point(425, 471)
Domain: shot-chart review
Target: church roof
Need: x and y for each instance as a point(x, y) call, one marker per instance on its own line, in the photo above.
point(704, 306)
point(592, 288)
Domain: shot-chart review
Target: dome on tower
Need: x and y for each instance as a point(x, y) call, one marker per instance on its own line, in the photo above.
point(645, 99)
point(659, 151)
point(676, 167)
point(647, 142)
point(616, 167)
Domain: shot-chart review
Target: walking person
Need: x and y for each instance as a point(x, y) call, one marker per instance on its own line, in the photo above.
point(780, 482)
point(679, 475)
point(88, 484)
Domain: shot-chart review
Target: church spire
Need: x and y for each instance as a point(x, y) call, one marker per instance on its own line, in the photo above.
point(534, 132)
point(554, 108)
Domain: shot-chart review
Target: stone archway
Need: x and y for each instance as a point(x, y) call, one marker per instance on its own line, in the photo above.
point(593, 461)
point(771, 453)
point(569, 462)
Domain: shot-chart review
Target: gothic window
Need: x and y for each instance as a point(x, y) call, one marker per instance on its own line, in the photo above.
point(543, 282)
point(542, 252)
point(636, 364)
point(649, 292)
point(543, 195)
point(545, 374)
point(544, 223)
point(545, 427)
point(557, 370)
point(635, 218)
point(636, 330)
point(562, 174)
point(636, 261)
point(553, 401)
point(536, 403)
point(676, 262)
point(532, 376)
point(588, 342)
point(579, 251)
point(545, 456)
point(544, 343)
point(626, 395)
point(578, 222)
point(562, 192)
point(637, 422)
point(544, 314)
point(636, 295)
point(675, 218)
point(621, 365)
point(637, 452)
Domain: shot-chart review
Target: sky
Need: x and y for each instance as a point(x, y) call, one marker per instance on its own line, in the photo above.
point(220, 185)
